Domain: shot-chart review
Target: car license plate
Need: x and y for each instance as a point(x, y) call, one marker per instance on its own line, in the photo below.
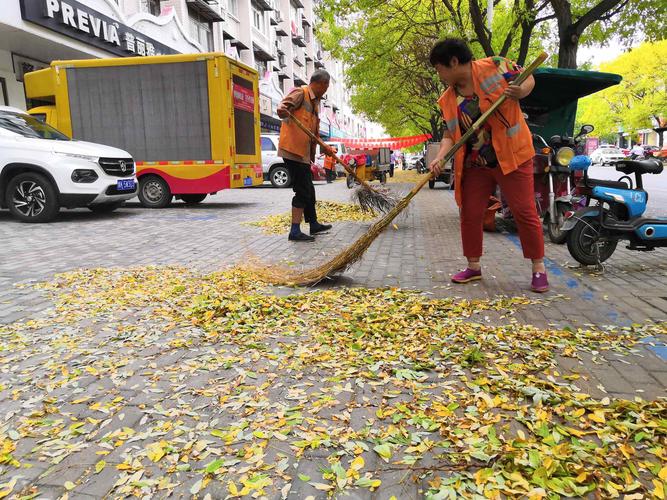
point(247, 181)
point(126, 185)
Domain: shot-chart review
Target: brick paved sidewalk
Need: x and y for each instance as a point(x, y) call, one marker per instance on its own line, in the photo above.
point(420, 253)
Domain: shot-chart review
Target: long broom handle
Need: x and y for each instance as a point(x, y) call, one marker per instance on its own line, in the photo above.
point(329, 151)
point(482, 119)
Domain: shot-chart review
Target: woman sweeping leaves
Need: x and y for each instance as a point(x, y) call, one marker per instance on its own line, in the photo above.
point(501, 152)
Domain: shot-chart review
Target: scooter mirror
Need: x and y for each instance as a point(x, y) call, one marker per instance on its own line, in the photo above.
point(586, 129)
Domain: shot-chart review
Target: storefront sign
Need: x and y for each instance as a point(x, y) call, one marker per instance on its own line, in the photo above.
point(82, 23)
point(244, 98)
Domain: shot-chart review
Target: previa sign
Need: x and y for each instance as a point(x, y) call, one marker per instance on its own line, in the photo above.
point(82, 23)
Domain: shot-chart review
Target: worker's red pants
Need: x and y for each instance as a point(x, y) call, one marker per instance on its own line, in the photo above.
point(517, 187)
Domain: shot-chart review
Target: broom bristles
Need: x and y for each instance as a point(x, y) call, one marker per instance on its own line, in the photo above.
point(375, 200)
point(279, 275)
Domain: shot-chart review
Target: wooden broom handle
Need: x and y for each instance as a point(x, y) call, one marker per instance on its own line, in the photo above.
point(328, 150)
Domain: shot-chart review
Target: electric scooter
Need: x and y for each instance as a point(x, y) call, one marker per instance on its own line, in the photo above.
point(594, 231)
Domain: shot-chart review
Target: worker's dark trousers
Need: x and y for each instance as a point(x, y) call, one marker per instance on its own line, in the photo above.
point(304, 191)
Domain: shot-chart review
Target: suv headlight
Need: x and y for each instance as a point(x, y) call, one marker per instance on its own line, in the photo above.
point(92, 158)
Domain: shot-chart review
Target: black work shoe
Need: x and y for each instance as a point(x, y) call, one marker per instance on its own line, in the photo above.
point(320, 228)
point(300, 237)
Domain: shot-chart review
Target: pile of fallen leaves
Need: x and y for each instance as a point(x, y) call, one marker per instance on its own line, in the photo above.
point(212, 385)
point(408, 176)
point(327, 211)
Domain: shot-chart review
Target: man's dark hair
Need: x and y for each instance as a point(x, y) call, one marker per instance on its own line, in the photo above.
point(320, 75)
point(443, 51)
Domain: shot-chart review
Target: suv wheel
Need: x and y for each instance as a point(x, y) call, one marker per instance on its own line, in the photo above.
point(154, 192)
point(280, 177)
point(31, 197)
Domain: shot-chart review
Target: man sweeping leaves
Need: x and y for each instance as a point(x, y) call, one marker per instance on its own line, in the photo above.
point(501, 152)
point(298, 151)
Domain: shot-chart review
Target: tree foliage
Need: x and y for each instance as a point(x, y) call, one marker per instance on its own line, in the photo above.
point(641, 96)
point(385, 44)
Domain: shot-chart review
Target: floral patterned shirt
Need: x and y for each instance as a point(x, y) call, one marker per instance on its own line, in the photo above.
point(479, 148)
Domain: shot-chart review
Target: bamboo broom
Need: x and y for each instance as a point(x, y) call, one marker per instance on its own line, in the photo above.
point(282, 276)
point(369, 199)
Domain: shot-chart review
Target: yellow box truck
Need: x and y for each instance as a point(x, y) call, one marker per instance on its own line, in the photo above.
point(191, 121)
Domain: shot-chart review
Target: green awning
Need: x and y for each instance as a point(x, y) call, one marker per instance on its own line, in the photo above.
point(552, 105)
point(556, 87)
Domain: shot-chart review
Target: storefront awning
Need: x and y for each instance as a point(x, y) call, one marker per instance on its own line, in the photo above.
point(269, 123)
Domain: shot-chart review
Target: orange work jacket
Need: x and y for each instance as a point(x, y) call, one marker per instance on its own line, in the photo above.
point(292, 138)
point(512, 141)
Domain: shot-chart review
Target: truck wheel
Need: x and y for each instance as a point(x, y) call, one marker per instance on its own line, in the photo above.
point(105, 208)
point(193, 199)
point(31, 197)
point(154, 192)
point(280, 177)
point(431, 184)
point(584, 245)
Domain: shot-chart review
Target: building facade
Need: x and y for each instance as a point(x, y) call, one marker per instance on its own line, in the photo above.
point(277, 38)
point(35, 32)
point(274, 36)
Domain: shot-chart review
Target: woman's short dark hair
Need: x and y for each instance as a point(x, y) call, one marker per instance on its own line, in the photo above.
point(443, 51)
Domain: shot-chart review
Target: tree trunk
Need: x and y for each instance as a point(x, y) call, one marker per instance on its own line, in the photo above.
point(567, 50)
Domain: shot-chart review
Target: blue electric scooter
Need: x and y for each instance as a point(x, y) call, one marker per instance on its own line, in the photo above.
point(594, 231)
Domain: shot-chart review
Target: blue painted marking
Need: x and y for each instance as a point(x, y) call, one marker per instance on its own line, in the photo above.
point(660, 350)
point(573, 284)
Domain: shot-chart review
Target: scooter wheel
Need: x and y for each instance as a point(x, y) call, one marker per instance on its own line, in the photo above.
point(583, 243)
point(553, 230)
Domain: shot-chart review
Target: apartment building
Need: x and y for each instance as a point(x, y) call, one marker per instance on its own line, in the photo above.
point(274, 36)
point(35, 32)
point(277, 38)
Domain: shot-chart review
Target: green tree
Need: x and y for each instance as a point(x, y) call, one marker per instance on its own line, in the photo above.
point(639, 98)
point(385, 43)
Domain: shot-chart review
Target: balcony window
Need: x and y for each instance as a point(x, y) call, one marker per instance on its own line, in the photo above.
point(151, 6)
point(200, 29)
point(261, 67)
point(233, 7)
point(258, 19)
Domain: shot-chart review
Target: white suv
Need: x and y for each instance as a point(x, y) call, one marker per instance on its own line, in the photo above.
point(42, 170)
point(272, 165)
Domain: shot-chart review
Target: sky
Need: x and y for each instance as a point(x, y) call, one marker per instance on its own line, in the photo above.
point(599, 55)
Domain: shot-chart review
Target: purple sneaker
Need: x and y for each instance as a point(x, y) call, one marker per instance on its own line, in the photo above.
point(467, 275)
point(540, 284)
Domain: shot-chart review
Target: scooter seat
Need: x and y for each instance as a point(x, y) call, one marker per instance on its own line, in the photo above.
point(605, 183)
point(650, 166)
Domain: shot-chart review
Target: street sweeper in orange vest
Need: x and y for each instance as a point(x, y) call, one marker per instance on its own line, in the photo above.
point(500, 153)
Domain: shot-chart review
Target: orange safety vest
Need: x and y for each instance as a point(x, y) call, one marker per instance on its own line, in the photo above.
point(292, 138)
point(511, 138)
point(329, 162)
